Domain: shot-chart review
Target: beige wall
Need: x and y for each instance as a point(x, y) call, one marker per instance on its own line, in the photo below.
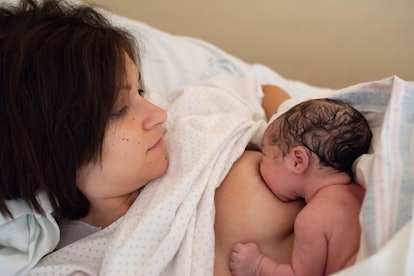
point(332, 43)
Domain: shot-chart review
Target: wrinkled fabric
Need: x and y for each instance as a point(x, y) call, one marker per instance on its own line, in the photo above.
point(26, 237)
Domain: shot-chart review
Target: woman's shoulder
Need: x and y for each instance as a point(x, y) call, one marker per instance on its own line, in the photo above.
point(244, 197)
point(245, 186)
point(250, 155)
point(248, 163)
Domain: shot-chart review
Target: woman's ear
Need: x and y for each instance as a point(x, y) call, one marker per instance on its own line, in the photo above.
point(300, 159)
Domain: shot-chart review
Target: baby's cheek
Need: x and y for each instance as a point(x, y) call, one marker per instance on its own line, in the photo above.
point(264, 170)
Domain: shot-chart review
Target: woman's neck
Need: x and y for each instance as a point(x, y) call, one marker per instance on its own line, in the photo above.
point(103, 212)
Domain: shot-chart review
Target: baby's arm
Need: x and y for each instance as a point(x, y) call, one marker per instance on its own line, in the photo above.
point(310, 246)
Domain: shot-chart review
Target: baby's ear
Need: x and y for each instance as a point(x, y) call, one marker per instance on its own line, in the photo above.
point(300, 159)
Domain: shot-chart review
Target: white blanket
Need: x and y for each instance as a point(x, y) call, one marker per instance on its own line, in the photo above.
point(388, 204)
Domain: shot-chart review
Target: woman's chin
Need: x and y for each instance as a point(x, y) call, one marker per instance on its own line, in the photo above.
point(163, 166)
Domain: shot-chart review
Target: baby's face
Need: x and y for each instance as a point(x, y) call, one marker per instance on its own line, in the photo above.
point(273, 169)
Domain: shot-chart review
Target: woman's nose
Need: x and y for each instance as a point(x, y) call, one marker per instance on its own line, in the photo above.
point(155, 115)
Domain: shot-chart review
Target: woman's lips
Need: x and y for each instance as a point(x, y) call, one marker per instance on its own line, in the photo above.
point(159, 144)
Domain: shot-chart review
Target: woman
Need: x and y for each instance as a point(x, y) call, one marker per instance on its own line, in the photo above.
point(78, 129)
point(80, 120)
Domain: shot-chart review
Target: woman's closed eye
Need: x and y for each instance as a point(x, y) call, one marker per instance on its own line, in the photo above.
point(119, 111)
point(141, 90)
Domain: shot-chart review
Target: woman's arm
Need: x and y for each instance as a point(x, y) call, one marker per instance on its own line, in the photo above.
point(273, 97)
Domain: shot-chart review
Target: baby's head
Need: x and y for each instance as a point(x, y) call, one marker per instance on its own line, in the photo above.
point(332, 130)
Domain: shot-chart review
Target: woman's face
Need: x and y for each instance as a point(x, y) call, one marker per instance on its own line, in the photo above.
point(133, 150)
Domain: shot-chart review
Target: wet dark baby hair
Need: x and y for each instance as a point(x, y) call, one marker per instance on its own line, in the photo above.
point(61, 69)
point(331, 129)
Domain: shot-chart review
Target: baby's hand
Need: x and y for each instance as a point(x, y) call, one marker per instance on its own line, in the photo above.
point(245, 259)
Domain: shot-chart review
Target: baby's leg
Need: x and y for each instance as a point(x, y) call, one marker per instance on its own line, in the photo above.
point(245, 259)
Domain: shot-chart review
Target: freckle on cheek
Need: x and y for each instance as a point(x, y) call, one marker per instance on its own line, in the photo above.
point(125, 139)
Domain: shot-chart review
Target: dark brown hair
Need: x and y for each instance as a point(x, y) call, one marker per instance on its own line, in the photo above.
point(333, 130)
point(61, 67)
